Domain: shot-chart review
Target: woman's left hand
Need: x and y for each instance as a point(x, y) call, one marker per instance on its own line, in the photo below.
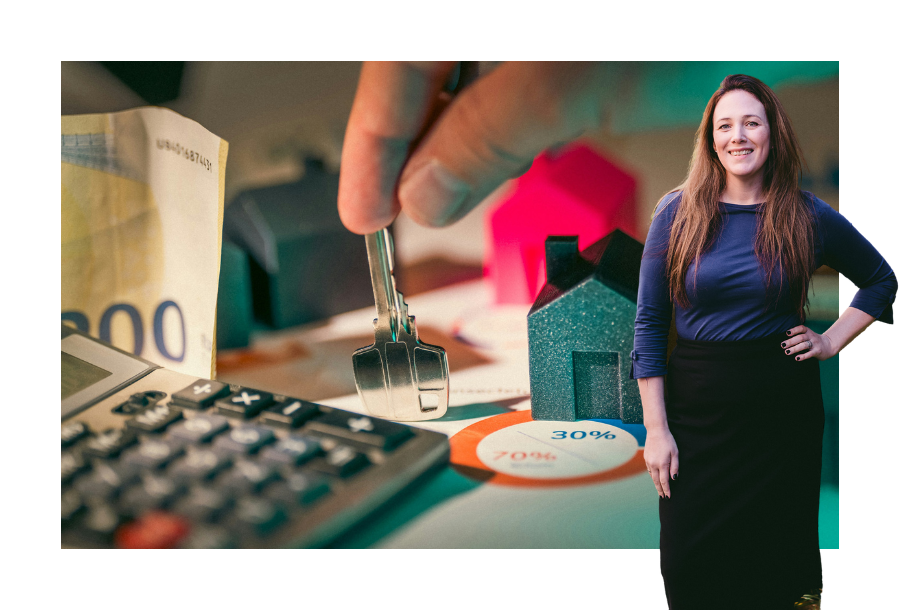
point(804, 343)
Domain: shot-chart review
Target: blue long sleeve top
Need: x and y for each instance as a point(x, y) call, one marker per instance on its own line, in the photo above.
point(729, 302)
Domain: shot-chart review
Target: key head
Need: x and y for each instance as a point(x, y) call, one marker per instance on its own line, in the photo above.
point(403, 380)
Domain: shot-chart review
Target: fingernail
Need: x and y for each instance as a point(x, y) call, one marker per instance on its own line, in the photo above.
point(783, 344)
point(435, 193)
point(797, 358)
point(789, 333)
point(675, 476)
point(787, 351)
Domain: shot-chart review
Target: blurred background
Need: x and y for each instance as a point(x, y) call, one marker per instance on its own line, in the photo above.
point(276, 114)
point(285, 122)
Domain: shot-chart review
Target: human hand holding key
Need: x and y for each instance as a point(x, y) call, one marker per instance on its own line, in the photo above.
point(398, 377)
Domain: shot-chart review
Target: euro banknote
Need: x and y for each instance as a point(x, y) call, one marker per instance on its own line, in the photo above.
point(142, 205)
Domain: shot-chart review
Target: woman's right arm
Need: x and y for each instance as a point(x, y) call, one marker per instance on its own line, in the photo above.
point(648, 366)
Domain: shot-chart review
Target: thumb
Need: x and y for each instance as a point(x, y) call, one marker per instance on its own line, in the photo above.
point(494, 128)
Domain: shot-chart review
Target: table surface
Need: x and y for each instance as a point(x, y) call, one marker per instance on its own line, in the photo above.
point(512, 482)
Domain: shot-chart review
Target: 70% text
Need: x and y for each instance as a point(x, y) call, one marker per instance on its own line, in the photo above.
point(518, 456)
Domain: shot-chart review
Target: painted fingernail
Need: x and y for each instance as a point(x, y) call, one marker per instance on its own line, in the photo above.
point(789, 333)
point(797, 358)
point(675, 476)
point(783, 344)
point(787, 351)
point(436, 193)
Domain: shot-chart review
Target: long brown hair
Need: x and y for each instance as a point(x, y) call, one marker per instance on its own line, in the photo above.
point(785, 229)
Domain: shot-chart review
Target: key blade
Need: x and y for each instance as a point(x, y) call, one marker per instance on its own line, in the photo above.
point(378, 248)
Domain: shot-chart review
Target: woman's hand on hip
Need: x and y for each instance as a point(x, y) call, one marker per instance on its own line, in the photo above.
point(661, 457)
point(802, 343)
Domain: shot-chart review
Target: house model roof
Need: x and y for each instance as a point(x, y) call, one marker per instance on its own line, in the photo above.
point(614, 261)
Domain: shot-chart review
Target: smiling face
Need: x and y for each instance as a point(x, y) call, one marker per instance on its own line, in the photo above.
point(741, 135)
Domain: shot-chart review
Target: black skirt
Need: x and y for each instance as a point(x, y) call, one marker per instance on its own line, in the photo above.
point(741, 527)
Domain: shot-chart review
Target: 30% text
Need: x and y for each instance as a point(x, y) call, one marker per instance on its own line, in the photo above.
point(580, 434)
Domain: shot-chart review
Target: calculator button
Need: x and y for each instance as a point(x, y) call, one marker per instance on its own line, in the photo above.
point(292, 413)
point(199, 464)
point(293, 450)
point(245, 439)
point(152, 453)
point(105, 482)
point(151, 493)
point(376, 432)
point(73, 432)
point(247, 476)
point(72, 463)
point(199, 428)
point(209, 537)
point(299, 488)
point(71, 504)
point(110, 443)
point(245, 402)
point(203, 504)
point(257, 516)
point(200, 394)
point(155, 530)
point(342, 461)
point(101, 520)
point(154, 419)
point(138, 402)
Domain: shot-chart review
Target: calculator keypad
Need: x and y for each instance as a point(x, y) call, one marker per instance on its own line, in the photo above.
point(228, 466)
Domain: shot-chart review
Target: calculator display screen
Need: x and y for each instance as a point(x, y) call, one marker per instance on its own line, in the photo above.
point(78, 374)
point(93, 370)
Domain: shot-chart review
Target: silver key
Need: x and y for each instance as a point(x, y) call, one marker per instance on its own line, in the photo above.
point(398, 377)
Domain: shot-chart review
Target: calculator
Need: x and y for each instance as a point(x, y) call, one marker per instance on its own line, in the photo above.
point(153, 458)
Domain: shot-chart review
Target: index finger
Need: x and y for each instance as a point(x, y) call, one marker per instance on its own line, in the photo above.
point(392, 105)
point(796, 331)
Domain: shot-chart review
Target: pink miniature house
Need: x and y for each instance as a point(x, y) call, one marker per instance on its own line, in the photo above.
point(574, 191)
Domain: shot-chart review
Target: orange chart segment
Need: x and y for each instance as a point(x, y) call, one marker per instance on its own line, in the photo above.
point(512, 449)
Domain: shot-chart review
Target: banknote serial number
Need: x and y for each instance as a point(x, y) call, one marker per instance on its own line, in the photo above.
point(183, 151)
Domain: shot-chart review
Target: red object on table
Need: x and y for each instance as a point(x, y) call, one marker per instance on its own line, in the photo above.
point(575, 191)
point(154, 530)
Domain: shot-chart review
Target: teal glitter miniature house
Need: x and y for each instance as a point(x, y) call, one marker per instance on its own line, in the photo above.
point(581, 331)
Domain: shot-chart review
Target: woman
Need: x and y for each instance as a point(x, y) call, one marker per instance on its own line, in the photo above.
point(734, 419)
